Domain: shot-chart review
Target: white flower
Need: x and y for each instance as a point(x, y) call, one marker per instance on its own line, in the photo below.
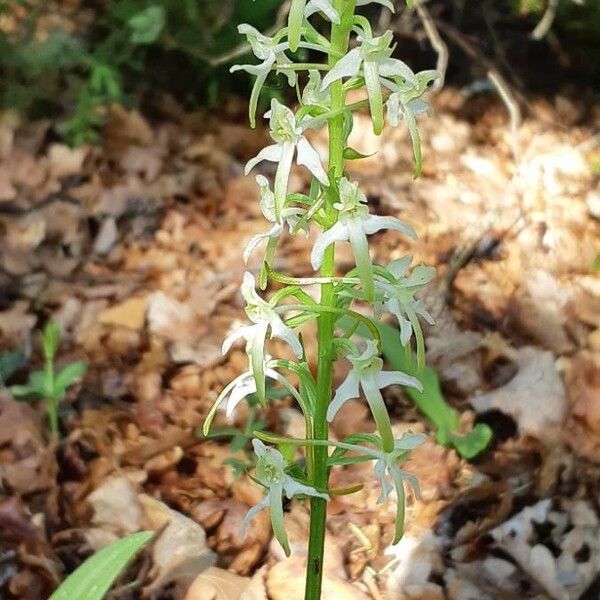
point(354, 224)
point(397, 297)
point(266, 323)
point(290, 216)
point(366, 373)
point(391, 476)
point(373, 56)
point(270, 472)
point(286, 132)
point(243, 386)
point(404, 103)
point(271, 52)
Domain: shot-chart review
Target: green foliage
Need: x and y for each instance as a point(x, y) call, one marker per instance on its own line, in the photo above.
point(47, 384)
point(93, 579)
point(128, 48)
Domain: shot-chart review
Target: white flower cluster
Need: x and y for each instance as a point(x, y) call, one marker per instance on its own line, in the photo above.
point(390, 84)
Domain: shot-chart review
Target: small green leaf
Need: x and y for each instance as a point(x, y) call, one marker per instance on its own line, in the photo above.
point(596, 265)
point(67, 376)
point(96, 575)
point(21, 392)
point(352, 154)
point(147, 25)
point(50, 340)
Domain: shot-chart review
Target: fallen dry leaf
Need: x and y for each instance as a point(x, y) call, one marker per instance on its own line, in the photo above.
point(217, 584)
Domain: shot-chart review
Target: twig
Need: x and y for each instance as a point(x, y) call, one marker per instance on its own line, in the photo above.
point(436, 41)
point(494, 75)
point(543, 27)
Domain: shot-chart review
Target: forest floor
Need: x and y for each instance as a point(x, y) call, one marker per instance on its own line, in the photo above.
point(135, 249)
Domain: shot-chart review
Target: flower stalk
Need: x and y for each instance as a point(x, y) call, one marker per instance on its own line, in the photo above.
point(339, 211)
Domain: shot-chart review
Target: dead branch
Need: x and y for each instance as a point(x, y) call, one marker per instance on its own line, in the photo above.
point(436, 41)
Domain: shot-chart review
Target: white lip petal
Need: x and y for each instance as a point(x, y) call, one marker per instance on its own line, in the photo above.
point(374, 223)
point(309, 157)
point(347, 391)
point(271, 153)
point(386, 378)
point(347, 66)
point(338, 233)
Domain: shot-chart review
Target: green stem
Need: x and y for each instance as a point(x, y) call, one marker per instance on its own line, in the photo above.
point(51, 400)
point(318, 506)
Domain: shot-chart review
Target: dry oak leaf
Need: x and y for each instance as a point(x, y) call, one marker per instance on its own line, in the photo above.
point(217, 584)
point(130, 313)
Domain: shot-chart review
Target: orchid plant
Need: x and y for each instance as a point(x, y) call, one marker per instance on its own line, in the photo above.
point(337, 209)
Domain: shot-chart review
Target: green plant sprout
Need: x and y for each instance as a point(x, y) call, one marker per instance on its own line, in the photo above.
point(47, 384)
point(353, 58)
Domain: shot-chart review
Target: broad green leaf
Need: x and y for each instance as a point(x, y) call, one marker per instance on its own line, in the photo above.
point(96, 575)
point(67, 376)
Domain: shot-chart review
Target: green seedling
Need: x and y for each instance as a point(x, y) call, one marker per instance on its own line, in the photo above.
point(48, 385)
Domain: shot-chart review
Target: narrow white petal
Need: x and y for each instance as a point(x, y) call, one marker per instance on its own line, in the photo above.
point(386, 378)
point(293, 488)
point(245, 331)
point(347, 66)
point(324, 6)
point(282, 177)
point(280, 330)
point(347, 391)
point(274, 232)
point(386, 3)
point(374, 223)
point(271, 153)
point(264, 503)
point(244, 387)
point(380, 469)
point(309, 157)
point(338, 233)
point(409, 441)
point(405, 328)
point(391, 67)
